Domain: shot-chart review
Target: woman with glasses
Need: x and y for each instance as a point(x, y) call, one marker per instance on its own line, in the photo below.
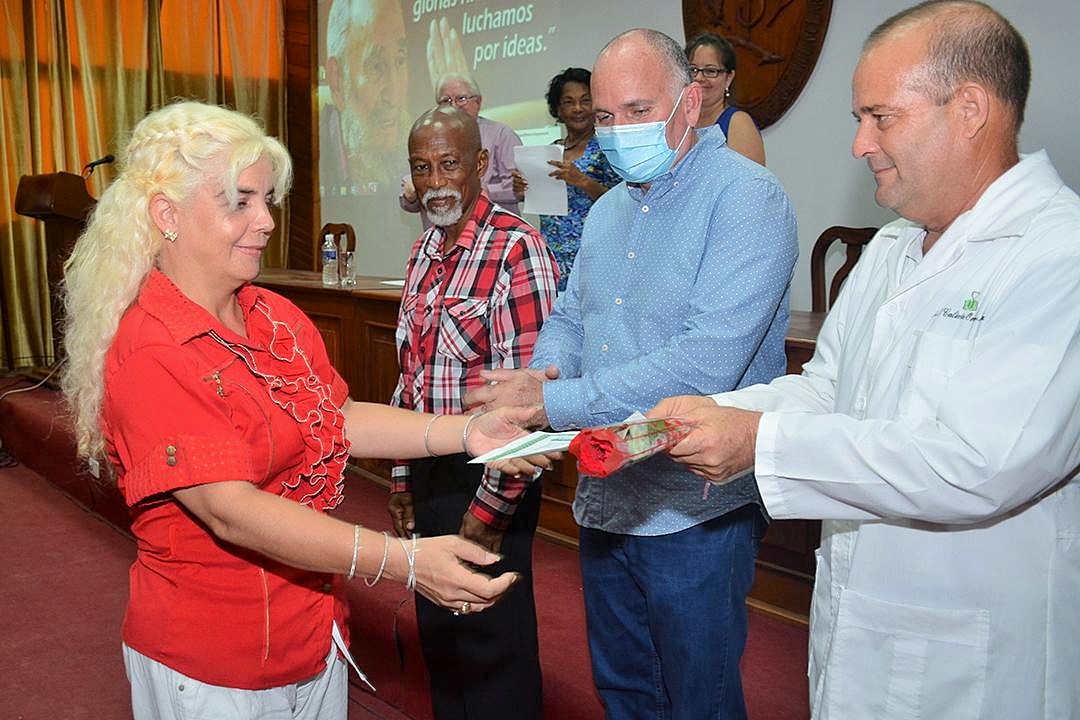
point(583, 166)
point(712, 64)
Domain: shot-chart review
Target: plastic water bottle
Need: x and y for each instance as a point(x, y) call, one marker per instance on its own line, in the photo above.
point(329, 261)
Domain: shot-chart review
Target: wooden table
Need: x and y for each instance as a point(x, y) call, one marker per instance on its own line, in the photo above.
point(358, 325)
point(803, 329)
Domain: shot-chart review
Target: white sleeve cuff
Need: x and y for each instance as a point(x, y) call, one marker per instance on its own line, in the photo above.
point(765, 461)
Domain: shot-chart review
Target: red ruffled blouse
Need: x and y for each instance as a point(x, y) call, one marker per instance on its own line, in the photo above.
point(187, 401)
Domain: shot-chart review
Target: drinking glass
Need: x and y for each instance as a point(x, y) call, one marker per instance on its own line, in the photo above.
point(348, 272)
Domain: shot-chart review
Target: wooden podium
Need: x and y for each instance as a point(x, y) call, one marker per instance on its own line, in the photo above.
point(62, 202)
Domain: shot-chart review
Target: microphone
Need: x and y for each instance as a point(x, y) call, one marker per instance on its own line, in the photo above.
point(89, 167)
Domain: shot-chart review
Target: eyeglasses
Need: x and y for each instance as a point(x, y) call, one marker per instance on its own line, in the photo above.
point(710, 72)
point(456, 99)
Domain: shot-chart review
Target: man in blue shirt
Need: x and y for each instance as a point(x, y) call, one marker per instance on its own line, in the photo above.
point(680, 286)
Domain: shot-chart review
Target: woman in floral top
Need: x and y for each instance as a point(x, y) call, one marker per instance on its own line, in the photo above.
point(583, 166)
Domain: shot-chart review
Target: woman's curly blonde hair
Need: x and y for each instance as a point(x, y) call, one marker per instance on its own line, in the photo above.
point(172, 151)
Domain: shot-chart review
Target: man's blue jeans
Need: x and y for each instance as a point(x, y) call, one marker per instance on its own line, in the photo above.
point(667, 620)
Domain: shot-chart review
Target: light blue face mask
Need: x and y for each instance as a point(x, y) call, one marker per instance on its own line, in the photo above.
point(639, 152)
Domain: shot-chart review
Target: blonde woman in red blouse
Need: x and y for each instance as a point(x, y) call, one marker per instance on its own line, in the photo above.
point(229, 430)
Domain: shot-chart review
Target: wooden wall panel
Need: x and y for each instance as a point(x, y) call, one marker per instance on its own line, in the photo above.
point(301, 132)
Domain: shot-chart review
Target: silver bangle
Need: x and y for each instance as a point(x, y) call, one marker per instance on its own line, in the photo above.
point(355, 552)
point(382, 565)
point(465, 434)
point(412, 563)
point(427, 436)
point(410, 582)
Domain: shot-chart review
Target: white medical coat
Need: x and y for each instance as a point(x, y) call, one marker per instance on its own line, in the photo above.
point(938, 429)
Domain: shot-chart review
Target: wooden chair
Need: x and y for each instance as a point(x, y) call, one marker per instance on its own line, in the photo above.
point(854, 239)
point(338, 230)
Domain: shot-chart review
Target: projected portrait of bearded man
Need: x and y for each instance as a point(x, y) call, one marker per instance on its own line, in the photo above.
point(367, 73)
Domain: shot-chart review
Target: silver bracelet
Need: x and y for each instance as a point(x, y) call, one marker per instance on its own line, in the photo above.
point(412, 558)
point(465, 434)
point(427, 436)
point(382, 565)
point(412, 563)
point(410, 582)
point(355, 551)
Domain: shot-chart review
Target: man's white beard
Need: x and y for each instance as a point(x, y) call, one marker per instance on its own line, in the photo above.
point(368, 160)
point(445, 217)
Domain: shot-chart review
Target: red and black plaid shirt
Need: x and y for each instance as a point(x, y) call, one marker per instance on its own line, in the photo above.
point(478, 306)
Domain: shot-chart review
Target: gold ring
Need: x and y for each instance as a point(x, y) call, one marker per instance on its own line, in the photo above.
point(465, 607)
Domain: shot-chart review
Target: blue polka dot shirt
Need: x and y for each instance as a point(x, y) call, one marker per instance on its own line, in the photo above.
point(678, 289)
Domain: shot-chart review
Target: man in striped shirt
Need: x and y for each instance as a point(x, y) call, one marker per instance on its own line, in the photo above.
point(479, 284)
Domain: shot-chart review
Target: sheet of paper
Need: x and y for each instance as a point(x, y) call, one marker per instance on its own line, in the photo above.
point(732, 478)
point(545, 194)
point(531, 444)
point(393, 283)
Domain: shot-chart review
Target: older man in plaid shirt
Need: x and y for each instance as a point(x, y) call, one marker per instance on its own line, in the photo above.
point(479, 284)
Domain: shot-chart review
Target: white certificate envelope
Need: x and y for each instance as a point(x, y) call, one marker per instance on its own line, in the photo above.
point(532, 444)
point(545, 195)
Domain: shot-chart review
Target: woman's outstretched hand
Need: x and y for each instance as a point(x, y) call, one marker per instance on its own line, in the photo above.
point(493, 429)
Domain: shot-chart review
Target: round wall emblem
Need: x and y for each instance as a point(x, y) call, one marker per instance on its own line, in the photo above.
point(777, 43)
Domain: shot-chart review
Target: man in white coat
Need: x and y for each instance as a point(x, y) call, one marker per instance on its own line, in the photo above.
point(937, 428)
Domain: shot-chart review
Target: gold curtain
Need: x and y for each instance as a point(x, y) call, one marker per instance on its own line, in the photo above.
point(76, 75)
point(231, 53)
